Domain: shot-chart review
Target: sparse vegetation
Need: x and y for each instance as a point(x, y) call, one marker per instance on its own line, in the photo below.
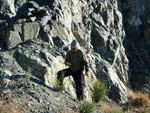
point(86, 107)
point(140, 100)
point(99, 91)
point(10, 106)
point(28, 76)
point(59, 85)
point(110, 109)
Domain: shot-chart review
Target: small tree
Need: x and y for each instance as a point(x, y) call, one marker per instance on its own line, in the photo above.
point(99, 91)
point(59, 85)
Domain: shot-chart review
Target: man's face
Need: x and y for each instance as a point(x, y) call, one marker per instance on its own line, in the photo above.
point(74, 49)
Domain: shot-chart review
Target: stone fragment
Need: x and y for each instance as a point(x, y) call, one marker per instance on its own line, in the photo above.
point(31, 30)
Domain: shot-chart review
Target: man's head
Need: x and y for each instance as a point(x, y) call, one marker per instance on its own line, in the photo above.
point(74, 46)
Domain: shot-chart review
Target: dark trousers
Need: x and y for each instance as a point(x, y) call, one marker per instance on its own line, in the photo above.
point(78, 79)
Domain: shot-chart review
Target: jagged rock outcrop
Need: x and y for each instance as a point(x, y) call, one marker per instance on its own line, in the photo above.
point(7, 7)
point(39, 36)
point(136, 14)
point(5, 76)
point(20, 33)
point(106, 74)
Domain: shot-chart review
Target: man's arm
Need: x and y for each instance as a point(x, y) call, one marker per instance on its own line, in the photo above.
point(85, 62)
point(67, 63)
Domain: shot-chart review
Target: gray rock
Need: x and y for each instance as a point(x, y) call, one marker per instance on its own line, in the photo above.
point(5, 78)
point(100, 37)
point(20, 5)
point(97, 25)
point(12, 39)
point(20, 32)
point(32, 4)
point(26, 61)
point(7, 6)
point(31, 30)
point(136, 25)
point(107, 75)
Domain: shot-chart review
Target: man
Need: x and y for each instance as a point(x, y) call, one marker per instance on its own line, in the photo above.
point(77, 60)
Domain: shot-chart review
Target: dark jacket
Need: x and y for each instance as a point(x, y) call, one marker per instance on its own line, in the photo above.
point(78, 60)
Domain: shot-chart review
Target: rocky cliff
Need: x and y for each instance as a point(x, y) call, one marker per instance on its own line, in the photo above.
point(136, 14)
point(36, 34)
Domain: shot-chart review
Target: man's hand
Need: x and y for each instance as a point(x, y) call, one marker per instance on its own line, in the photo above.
point(86, 74)
point(67, 63)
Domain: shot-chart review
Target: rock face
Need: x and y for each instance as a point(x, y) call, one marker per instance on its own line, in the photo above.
point(137, 42)
point(39, 33)
point(5, 76)
point(107, 75)
point(20, 33)
point(8, 7)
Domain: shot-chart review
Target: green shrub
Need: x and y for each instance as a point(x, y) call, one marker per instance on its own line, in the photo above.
point(58, 86)
point(28, 76)
point(99, 91)
point(86, 107)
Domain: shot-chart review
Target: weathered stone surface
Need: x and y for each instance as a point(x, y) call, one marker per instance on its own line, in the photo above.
point(100, 37)
point(5, 77)
point(107, 75)
point(98, 26)
point(32, 4)
point(26, 61)
point(31, 30)
point(12, 39)
point(20, 32)
point(137, 41)
point(20, 5)
point(7, 6)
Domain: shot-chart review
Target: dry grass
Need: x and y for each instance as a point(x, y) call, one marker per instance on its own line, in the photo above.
point(106, 108)
point(110, 109)
point(71, 111)
point(10, 106)
point(138, 99)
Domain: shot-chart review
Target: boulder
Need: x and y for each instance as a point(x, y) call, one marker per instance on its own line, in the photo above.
point(28, 30)
point(12, 39)
point(96, 24)
point(29, 62)
point(19, 33)
point(44, 68)
point(31, 30)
